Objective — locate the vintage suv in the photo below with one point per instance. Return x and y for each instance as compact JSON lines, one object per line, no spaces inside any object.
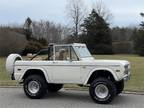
{"x":50,"y":68}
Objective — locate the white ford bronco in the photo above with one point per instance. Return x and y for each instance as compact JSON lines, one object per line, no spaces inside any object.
{"x":50,"y":68}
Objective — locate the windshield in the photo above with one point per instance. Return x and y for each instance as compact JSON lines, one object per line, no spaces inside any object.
{"x":83,"y":51}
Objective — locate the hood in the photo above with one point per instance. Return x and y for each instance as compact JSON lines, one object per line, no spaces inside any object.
{"x":106,"y":62}
{"x":123,"y":62}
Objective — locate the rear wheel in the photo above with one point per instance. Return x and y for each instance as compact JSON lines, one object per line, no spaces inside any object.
{"x":54,"y":87}
{"x":35,"y":86}
{"x":102,"y":90}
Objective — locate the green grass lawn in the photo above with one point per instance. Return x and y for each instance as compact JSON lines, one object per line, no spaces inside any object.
{"x":5,"y":79}
{"x":135,"y":84}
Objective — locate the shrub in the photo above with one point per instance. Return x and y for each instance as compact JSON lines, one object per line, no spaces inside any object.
{"x":11,"y":42}
{"x":100,"y":49}
{"x":32,"y":47}
{"x":141,"y":50}
{"x":125,"y":47}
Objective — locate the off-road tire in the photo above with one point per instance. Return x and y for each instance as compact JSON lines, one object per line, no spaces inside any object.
{"x":110,"y":87}
{"x":40,"y":81}
{"x":119,"y":87}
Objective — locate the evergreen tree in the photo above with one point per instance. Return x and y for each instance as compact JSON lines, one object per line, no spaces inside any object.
{"x":142,"y":22}
{"x":139,"y":39}
{"x":96,"y":34}
{"x":27,"y":28}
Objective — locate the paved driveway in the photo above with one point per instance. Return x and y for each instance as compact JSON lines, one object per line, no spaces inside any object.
{"x":15,"y":98}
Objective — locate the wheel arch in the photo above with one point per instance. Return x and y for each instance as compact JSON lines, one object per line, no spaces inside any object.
{"x":101,"y":73}
{"x":32,"y":71}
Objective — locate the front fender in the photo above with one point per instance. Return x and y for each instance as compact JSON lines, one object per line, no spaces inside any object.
{"x":101,"y":69}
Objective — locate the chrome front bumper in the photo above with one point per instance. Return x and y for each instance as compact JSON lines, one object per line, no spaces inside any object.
{"x":127,"y":77}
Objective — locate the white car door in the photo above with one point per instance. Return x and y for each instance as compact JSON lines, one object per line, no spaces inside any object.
{"x":66,"y":66}
{"x":66,"y":72}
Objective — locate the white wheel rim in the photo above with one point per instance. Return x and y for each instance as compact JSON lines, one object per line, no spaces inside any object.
{"x":33,"y":87}
{"x":101,"y":91}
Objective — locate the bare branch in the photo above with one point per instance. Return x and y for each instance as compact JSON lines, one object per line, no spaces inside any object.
{"x":101,"y":9}
{"x":76,"y":12}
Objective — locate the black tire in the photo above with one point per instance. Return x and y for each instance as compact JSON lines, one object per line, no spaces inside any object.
{"x":53,"y":88}
{"x":40,"y":82}
{"x":102,"y":85}
{"x":119,"y":87}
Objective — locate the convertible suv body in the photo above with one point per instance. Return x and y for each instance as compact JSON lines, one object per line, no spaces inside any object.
{"x":50,"y":68}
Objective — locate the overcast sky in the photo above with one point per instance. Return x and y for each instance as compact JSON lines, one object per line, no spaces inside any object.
{"x":125,"y":12}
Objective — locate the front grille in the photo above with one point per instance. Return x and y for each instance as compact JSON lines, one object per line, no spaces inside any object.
{"x":127,"y":69}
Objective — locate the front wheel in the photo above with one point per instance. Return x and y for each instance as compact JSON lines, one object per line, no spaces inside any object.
{"x":119,"y":87}
{"x":102,"y":90}
{"x":35,"y":86}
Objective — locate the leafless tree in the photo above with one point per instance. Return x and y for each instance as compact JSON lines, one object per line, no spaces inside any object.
{"x":102,"y":10}
{"x":76,"y":12}
{"x":50,"y":31}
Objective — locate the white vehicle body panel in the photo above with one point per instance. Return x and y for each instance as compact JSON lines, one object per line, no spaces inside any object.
{"x":76,"y":72}
{"x":70,"y":71}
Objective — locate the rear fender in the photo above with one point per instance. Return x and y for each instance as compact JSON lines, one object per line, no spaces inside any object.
{"x":34,"y":68}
